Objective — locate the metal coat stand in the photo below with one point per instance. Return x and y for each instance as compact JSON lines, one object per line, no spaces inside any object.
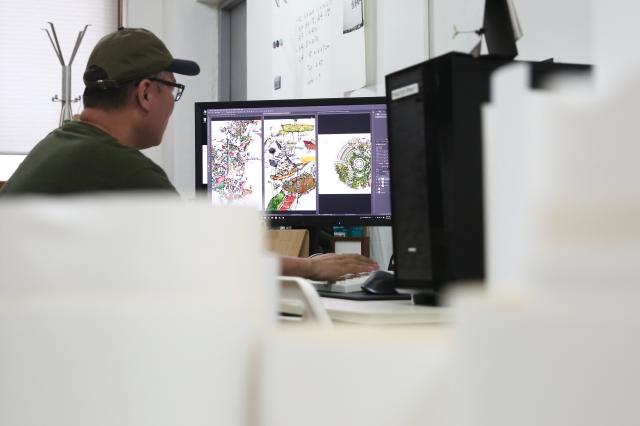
{"x":65,"y":98}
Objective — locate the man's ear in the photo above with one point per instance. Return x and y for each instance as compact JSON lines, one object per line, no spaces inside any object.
{"x":143,"y":94}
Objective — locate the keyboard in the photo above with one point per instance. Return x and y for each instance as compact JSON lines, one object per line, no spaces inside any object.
{"x":346,"y":285}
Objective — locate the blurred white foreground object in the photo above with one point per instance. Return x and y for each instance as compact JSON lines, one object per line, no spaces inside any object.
{"x":136,"y":311}
{"x":519,"y":144}
{"x":354,"y":376}
{"x":535,"y":364}
{"x":505,"y":171}
{"x":585,"y":192}
{"x":566,"y":354}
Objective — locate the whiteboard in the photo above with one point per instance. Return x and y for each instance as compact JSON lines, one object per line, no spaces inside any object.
{"x":317,"y":47}
{"x":396,"y":36}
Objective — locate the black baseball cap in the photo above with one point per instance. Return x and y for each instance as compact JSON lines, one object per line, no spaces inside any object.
{"x":130,"y":54}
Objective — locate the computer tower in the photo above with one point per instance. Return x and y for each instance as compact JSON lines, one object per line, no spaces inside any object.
{"x":435,"y":155}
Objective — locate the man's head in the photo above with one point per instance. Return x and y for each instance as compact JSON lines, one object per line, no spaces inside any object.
{"x":132,"y":68}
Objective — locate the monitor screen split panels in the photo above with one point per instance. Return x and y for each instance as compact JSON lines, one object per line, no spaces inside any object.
{"x":301,"y":162}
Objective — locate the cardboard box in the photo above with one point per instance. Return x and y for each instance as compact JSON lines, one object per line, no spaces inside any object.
{"x":288,"y":242}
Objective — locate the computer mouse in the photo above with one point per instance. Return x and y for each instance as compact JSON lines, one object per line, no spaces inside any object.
{"x":380,"y":282}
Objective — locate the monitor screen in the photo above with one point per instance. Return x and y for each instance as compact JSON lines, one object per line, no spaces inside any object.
{"x":303,"y":162}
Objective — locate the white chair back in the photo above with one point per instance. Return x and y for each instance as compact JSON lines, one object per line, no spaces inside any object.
{"x":296,"y":292}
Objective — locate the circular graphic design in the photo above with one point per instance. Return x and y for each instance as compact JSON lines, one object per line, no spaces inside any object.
{"x":353,"y":165}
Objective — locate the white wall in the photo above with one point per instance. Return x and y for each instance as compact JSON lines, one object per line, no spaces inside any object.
{"x":190,"y":31}
{"x":615,"y":50}
{"x":258,"y":49}
{"x":401,"y":33}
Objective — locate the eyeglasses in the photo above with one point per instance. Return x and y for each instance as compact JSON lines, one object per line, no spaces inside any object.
{"x":177,"y":87}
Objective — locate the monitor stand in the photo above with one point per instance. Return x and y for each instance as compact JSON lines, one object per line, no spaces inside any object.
{"x":319,"y":239}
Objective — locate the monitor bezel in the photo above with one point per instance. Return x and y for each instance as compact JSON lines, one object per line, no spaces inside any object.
{"x":286,"y":220}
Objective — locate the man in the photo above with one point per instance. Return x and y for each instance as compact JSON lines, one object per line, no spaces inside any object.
{"x":130,"y":92}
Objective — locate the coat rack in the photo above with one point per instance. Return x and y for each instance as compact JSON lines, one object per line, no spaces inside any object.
{"x":65,"y":98}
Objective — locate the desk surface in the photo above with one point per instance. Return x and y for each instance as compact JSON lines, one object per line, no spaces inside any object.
{"x":383,"y":312}
{"x":373,"y":312}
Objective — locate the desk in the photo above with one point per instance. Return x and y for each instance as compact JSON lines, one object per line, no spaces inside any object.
{"x":299,"y":298}
{"x":373,"y":312}
{"x":383,"y":312}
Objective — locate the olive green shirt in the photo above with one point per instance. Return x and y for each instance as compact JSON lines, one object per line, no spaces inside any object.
{"x":79,"y":157}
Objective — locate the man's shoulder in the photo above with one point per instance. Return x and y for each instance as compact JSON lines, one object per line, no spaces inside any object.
{"x":93,"y":143}
{"x":81,"y":158}
{"x":77,"y":136}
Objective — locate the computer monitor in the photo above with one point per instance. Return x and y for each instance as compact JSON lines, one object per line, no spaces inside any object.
{"x":303,"y":162}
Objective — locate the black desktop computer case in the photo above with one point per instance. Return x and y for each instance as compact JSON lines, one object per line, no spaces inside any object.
{"x":435,"y":154}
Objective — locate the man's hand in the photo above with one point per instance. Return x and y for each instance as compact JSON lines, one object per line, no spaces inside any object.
{"x":327,"y":267}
